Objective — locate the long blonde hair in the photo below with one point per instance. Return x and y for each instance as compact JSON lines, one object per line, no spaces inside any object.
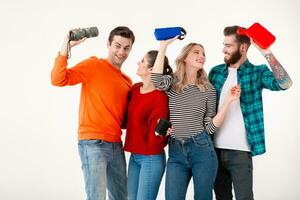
{"x":202,"y":81}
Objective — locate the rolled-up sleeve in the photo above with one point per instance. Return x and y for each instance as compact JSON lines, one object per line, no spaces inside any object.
{"x":162,"y":82}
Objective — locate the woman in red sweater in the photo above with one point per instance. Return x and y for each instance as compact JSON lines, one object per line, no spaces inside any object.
{"x":146,"y":106}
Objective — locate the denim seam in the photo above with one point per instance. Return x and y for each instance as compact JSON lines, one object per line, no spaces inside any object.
{"x":150,"y":178}
{"x":86,"y":159}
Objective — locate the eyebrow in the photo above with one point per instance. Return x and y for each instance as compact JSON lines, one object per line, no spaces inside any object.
{"x":117,"y":43}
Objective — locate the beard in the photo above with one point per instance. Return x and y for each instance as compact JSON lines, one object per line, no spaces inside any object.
{"x":234,"y":58}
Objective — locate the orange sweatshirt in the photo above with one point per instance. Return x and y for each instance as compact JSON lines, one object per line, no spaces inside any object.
{"x":104,"y":95}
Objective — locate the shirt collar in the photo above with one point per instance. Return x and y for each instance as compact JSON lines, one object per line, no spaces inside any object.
{"x":242,"y":67}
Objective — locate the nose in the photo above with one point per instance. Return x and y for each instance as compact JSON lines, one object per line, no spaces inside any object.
{"x":122,"y":51}
{"x":223,"y":50}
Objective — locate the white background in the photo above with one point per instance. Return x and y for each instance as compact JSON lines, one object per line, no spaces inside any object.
{"x":38,"y":122}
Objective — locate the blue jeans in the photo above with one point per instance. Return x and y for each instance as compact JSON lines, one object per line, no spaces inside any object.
{"x":144,"y":176}
{"x":235,"y":168}
{"x":103,"y":166}
{"x":192,"y":157}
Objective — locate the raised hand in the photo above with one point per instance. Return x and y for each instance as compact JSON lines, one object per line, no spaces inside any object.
{"x":262,"y":51}
{"x":165,"y":43}
{"x":65,"y":48}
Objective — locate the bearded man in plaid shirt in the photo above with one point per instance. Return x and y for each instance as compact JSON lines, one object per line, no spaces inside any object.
{"x":242,"y":134}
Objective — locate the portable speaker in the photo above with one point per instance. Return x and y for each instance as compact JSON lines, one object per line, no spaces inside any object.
{"x":259,"y":34}
{"x":169,"y":32}
{"x":162,"y":126}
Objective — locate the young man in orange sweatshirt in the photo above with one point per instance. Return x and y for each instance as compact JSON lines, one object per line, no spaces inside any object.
{"x":103,"y":103}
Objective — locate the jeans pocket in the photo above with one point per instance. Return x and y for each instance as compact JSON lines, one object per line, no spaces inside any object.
{"x":95,"y":142}
{"x":202,"y":141}
{"x":90,"y":142}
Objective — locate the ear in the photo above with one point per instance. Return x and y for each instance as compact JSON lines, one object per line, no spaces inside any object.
{"x":243,"y":48}
{"x":108,"y":44}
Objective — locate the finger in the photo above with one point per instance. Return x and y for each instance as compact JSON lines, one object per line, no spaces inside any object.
{"x":83,"y":39}
{"x":238,"y":89}
{"x":176,"y":37}
{"x":251,"y":41}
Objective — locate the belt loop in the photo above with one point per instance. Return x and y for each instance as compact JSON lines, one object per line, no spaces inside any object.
{"x":193,"y":138}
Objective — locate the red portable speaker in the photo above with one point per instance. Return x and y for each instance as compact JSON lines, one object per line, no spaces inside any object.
{"x":259,"y":34}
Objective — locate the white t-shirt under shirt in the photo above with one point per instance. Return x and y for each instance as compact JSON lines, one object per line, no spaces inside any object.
{"x":232,"y":133}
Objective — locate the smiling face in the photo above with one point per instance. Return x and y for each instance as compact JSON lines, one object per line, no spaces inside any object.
{"x":196,"y":57}
{"x":231,"y":50}
{"x":143,"y":67}
{"x":118,"y":50}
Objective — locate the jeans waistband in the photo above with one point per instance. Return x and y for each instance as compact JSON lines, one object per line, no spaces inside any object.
{"x":188,"y":139}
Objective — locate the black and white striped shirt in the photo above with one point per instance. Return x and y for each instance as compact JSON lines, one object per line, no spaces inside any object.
{"x":191,"y":111}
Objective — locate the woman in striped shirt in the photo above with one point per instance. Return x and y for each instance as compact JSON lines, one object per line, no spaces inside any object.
{"x":192,"y":108}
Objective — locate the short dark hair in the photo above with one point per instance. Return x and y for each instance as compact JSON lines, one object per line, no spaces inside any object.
{"x":151,"y":60}
{"x":122,"y":31}
{"x":232,"y":30}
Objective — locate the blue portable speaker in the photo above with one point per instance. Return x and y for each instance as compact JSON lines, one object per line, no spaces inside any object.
{"x":169,"y":32}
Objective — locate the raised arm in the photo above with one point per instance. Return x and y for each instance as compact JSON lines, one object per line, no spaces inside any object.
{"x":160,"y":81}
{"x":158,"y":66}
{"x":279,"y":72}
{"x":60,"y":75}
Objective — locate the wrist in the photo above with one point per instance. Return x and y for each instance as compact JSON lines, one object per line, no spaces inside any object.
{"x":64,"y":50}
{"x":163,"y":46}
{"x":266,"y":52}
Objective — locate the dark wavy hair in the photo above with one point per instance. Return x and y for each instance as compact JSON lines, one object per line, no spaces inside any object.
{"x":122,"y":31}
{"x":232,"y":30}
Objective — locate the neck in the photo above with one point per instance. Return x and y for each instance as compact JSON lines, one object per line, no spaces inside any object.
{"x":147,"y":86}
{"x":118,"y":66}
{"x":191,"y":75}
{"x":239,"y":62}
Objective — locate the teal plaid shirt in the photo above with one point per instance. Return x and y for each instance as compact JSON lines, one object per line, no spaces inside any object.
{"x":252,"y":79}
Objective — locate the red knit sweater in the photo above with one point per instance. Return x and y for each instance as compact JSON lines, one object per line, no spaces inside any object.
{"x":144,"y":110}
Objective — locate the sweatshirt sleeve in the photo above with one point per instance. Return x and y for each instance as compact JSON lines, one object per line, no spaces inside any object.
{"x":80,"y":73}
{"x":160,"y":111}
{"x":210,"y":112}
